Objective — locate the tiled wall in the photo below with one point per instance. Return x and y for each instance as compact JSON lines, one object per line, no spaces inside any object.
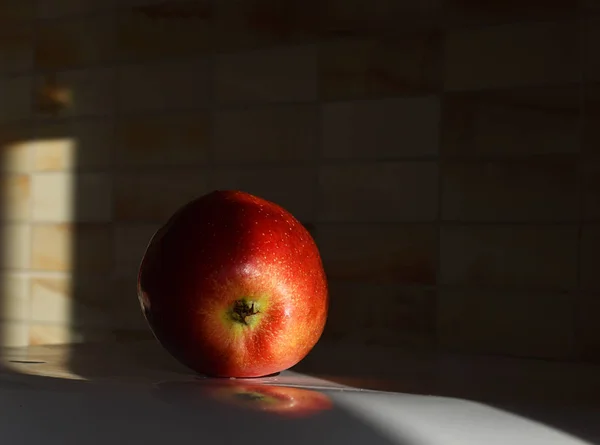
{"x":445,"y":151}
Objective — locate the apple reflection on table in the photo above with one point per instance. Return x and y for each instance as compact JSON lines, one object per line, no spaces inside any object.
{"x":284,"y":401}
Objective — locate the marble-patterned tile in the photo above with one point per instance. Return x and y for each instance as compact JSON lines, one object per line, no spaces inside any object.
{"x":125,"y":311}
{"x":16,"y":148}
{"x":361,"y":193}
{"x":15,"y":96}
{"x":591,"y":189}
{"x":272,"y":75}
{"x":357,"y":68}
{"x":154,"y":197}
{"x":278,"y":133}
{"x":378,"y":17}
{"x":16,"y":197}
{"x":587,"y":318}
{"x":58,"y":8}
{"x":79,"y":42}
{"x":405,"y":316}
{"x":386,"y":128}
{"x":57,"y":334}
{"x":149,"y":32}
{"x":15,"y":240}
{"x":68,"y":197}
{"x":505,"y":256}
{"x":590,"y":258}
{"x":85,"y":144}
{"x":175,"y":139}
{"x":474,"y":13}
{"x":82,"y":248}
{"x":590,"y":5}
{"x":14,"y":334}
{"x":14,"y":290}
{"x":591,"y":56}
{"x":403,"y":254}
{"x":88,"y":92}
{"x":131,"y":241}
{"x":520,"y":191}
{"x":60,"y":300}
{"x":16,"y":10}
{"x":521,"y":54}
{"x":511,"y":122}
{"x":591,"y":118}
{"x":248,"y":24}
{"x":507,"y":323}
{"x":175,"y":85}
{"x":16,"y":47}
{"x":290,"y":187}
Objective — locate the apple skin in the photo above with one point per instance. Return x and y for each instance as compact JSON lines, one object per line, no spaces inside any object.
{"x":233,"y":286}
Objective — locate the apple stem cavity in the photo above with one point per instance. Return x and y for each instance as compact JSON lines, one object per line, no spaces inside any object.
{"x":243,"y":309}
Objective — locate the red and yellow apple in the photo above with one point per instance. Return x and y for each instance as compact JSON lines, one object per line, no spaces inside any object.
{"x":233,"y":286}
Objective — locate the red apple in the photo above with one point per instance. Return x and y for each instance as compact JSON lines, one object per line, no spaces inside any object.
{"x":233,"y":286}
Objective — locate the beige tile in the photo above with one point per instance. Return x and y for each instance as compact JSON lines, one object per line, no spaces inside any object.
{"x":273,"y":75}
{"x":388,"y":128}
{"x":591,"y":119}
{"x":588,"y":327}
{"x":361,"y":193}
{"x":15,"y":297}
{"x":65,"y":197}
{"x":590,"y":5}
{"x":16,"y":47}
{"x":57,"y":8}
{"x":151,"y":32}
{"x":56,"y":300}
{"x":527,"y":257}
{"x":287,"y":133}
{"x":76,"y":93}
{"x":537,"y":190}
{"x":177,"y":139}
{"x":83,"y":248}
{"x":15,"y":143}
{"x":154,"y":197}
{"x":15,"y":95}
{"x":512,"y":55}
{"x":131,"y":241}
{"x":16,"y":197}
{"x":73,"y":145}
{"x":404,"y":317}
{"x":403,"y":254}
{"x":375,"y":67}
{"x":590,"y":257}
{"x":512,"y":122}
{"x":174,"y":85}
{"x":591,"y":190}
{"x":15,"y":10}
{"x":75,"y":42}
{"x":507,"y":323}
{"x":591,"y":58}
{"x":14,"y":334}
{"x":472,"y":12}
{"x":49,"y":334}
{"x":15,"y":242}
{"x":126,"y":311}
{"x":379,"y":17}
{"x":247,"y":24}
{"x":290,"y":187}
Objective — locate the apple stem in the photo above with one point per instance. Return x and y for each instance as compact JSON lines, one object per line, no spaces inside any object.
{"x":242,"y":310}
